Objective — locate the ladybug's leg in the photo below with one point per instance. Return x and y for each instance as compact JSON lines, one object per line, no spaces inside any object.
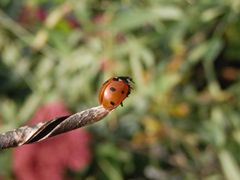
{"x":121,"y":104}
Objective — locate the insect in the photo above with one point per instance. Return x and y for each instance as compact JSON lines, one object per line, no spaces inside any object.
{"x":114,"y":91}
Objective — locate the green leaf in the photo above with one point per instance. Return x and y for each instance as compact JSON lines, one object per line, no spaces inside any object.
{"x":229,"y":165}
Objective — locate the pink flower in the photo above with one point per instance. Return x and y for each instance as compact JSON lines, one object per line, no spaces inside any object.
{"x":31,"y":15}
{"x":50,"y":158}
{"x":72,"y":21}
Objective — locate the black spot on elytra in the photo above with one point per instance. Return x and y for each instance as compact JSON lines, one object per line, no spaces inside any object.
{"x":122,"y":92}
{"x":112,"y":103}
{"x":112,"y":89}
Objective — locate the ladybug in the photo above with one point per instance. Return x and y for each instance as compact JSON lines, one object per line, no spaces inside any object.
{"x":114,"y":91}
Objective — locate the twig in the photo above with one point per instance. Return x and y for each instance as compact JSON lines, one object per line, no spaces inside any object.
{"x":41,"y":131}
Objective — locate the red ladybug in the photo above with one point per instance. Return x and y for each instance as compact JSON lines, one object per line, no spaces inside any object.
{"x":114,"y":91}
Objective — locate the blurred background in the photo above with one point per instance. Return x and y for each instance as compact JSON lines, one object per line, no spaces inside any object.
{"x":181,"y":120}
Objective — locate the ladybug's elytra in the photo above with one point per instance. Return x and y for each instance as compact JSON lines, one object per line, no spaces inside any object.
{"x":114,"y":91}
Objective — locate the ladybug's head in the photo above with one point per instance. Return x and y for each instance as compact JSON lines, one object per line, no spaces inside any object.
{"x":126,"y":79}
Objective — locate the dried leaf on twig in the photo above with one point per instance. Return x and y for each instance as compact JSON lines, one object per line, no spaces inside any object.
{"x":41,"y":131}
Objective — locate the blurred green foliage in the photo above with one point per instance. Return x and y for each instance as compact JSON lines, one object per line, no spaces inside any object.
{"x":182,"y":119}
